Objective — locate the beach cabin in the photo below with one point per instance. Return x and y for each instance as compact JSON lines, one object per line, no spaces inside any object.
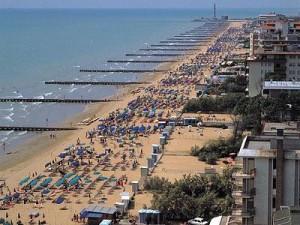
{"x":125,"y":199}
{"x":155,"y":148}
{"x":149,"y":216}
{"x":150,"y":163}
{"x":144,"y":171}
{"x":135,"y":186}
{"x":95,"y":214}
{"x":162,"y":140}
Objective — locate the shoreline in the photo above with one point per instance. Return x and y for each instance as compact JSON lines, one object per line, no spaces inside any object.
{"x":36,"y":155}
{"x":27,"y":150}
{"x":39,"y":141}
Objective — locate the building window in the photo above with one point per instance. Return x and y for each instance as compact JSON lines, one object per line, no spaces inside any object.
{"x":274,"y":164}
{"x":274,"y":183}
{"x":274,"y":203}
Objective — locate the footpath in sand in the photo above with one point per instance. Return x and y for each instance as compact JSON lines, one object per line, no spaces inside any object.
{"x":98,"y":176}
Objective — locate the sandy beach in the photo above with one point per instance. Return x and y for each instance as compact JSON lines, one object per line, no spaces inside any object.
{"x":32,"y":157}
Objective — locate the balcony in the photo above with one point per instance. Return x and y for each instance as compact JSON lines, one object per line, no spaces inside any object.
{"x":242,"y":175}
{"x":244,"y":213}
{"x":244,"y":194}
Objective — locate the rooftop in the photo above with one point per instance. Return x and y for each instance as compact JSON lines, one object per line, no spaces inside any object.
{"x":290,"y":128}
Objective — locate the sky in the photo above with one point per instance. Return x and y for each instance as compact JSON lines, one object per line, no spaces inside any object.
{"x":149,"y":3}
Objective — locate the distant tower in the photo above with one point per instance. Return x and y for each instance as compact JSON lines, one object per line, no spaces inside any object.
{"x":215,"y":10}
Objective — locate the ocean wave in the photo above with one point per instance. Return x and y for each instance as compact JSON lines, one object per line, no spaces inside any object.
{"x":39,"y":97}
{"x":22,"y":133}
{"x":72,"y":90}
{"x":19,"y":95}
{"x":8,"y":118}
{"x":9,"y":109}
{"x":48,"y":94}
{"x":7,"y":133}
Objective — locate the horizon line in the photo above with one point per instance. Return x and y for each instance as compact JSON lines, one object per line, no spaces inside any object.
{"x":176,"y":8}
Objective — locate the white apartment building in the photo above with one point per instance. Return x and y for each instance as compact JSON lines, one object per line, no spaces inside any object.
{"x":270,"y":175}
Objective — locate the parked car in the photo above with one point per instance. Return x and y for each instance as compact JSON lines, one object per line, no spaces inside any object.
{"x":197,"y":221}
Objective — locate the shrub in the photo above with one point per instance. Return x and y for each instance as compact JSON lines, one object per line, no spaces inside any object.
{"x":214,"y":150}
{"x":156,"y":183}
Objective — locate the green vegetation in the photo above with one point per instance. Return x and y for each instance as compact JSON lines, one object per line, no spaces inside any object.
{"x":249,"y":112}
{"x":194,"y":196}
{"x":214,"y":150}
{"x":234,"y":84}
{"x":157,"y":184}
{"x":213,"y":104}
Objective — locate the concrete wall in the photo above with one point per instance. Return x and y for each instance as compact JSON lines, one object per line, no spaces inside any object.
{"x":263,"y":197}
{"x":257,"y":72}
{"x":289,"y":183}
{"x":293,"y":67}
{"x":255,"y":78}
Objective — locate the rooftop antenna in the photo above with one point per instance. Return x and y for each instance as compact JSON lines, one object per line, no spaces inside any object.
{"x":215,"y":10}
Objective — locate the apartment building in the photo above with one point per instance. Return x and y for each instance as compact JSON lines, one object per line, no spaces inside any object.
{"x":270,"y":174}
{"x":274,"y":51}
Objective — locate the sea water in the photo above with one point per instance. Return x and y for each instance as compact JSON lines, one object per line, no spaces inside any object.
{"x":38,"y":45}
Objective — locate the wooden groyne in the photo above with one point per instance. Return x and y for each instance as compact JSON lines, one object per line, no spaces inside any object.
{"x":119,"y":83}
{"x":182,"y":41}
{"x":54,"y":100}
{"x":176,"y":45}
{"x":141,"y":61}
{"x":192,"y":36}
{"x":36,"y":129}
{"x":160,"y":55}
{"x":120,"y":71}
{"x":196,"y":33}
{"x":169,"y":49}
{"x":187,"y":39}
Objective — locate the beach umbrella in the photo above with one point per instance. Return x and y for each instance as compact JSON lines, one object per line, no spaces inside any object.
{"x":59,"y":200}
{"x":45,"y":191}
{"x":62,"y":155}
